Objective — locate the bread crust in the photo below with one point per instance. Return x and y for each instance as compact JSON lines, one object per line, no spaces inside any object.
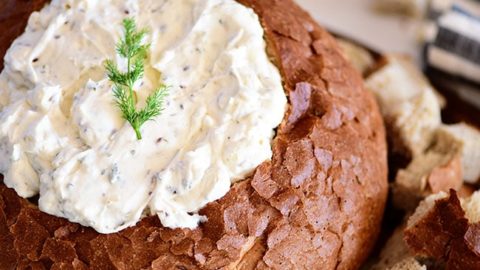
{"x":317,"y":205}
{"x":443,"y":233}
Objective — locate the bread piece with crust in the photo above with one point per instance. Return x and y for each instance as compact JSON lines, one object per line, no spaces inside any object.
{"x":446,"y":230}
{"x":413,"y":8}
{"x":468,"y":138}
{"x":438,"y":169}
{"x":317,"y":205}
{"x":409,"y":104}
{"x":408,"y":264}
{"x":361,"y":59}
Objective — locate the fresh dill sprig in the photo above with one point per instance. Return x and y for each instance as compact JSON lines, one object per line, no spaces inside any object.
{"x":132,"y":49}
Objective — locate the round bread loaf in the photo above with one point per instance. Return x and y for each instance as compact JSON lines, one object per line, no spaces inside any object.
{"x":317,"y":204}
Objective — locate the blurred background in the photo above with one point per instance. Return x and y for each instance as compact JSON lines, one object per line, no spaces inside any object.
{"x":442,"y":37}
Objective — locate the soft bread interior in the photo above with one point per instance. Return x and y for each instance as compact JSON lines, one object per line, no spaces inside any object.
{"x":409,"y":104}
{"x":471,"y":206}
{"x":409,"y":263}
{"x":395,"y":255}
{"x":468,"y":138}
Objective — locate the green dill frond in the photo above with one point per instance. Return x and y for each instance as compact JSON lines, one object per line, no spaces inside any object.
{"x":154,"y":105}
{"x":130,"y":45}
{"x":136,"y":72}
{"x":115,"y":75}
{"x":132,"y":49}
{"x":122,"y":100}
{"x":124,"y":46}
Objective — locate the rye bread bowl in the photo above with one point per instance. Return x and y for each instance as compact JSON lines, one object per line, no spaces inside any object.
{"x":317,"y":204}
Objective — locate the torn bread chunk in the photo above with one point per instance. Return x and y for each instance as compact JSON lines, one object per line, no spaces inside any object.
{"x":424,"y":207}
{"x":410,"y":105}
{"x":414,"y":123}
{"x":395,"y":255}
{"x":361,"y":59}
{"x":411,"y":8}
{"x":466,"y":190}
{"x":407,"y":264}
{"x":469,"y":139}
{"x":471,"y":206}
{"x":445,"y":229}
{"x":397,"y":79}
{"x":438,"y":169}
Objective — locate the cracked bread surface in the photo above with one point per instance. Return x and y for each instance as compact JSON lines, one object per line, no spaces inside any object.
{"x":317,"y":204}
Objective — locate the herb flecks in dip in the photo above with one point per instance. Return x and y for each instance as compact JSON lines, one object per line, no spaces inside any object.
{"x":61,"y":134}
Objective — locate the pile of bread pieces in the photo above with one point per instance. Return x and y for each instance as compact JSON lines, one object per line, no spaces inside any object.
{"x":435,"y":187}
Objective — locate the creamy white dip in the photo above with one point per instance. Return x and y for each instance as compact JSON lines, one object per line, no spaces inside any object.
{"x":62,"y":136}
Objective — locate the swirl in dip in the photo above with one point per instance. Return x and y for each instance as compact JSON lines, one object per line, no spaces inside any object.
{"x":62,"y":136}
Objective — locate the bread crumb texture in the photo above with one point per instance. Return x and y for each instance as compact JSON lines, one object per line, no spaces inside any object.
{"x":317,"y":205}
{"x":396,"y":256}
